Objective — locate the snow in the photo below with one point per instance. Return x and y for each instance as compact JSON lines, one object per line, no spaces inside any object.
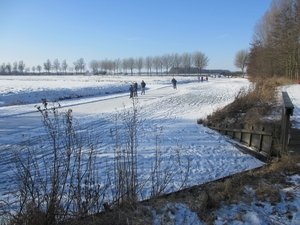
{"x":167,"y":113}
{"x":293,"y":92}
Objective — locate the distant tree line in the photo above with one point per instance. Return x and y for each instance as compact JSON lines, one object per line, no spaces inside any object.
{"x":275,"y":46}
{"x":195,"y":61}
{"x":152,"y":64}
{"x":49,"y":67}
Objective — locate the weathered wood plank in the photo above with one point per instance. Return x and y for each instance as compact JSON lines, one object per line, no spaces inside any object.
{"x":287,"y":104}
{"x":258,"y":139}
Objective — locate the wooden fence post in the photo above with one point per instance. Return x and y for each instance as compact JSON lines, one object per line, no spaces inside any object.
{"x":261,"y":137}
{"x":250,"y":137}
{"x":287,"y":111}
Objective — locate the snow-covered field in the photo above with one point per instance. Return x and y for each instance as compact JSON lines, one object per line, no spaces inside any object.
{"x":95,"y":100}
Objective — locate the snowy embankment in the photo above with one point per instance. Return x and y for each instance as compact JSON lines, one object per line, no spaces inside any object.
{"x":204,"y":154}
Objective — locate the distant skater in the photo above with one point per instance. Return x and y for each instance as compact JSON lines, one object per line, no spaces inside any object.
{"x":131,"y":91}
{"x":143,"y":85}
{"x":174,"y":82}
{"x":135,"y":87}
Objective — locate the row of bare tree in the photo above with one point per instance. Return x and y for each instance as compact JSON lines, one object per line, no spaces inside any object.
{"x":8,"y":68}
{"x":158,"y":64}
{"x":48,"y":66}
{"x":275,"y":49}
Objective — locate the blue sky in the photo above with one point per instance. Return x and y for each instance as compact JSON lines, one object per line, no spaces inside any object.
{"x":37,"y":30}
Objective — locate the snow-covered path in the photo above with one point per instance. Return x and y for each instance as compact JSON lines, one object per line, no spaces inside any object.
{"x":293,"y":92}
{"x":190,"y":100}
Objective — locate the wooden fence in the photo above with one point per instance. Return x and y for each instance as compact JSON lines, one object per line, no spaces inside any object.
{"x":287,"y":111}
{"x":261,"y":138}
{"x":257,"y":137}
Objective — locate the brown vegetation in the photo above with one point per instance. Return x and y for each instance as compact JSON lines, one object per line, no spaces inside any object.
{"x":265,"y":182}
{"x":275,"y":49}
{"x":261,"y":184}
{"x":251,"y":104}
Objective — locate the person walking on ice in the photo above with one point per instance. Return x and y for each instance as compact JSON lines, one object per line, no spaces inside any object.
{"x":143,"y":85}
{"x":131,"y":91}
{"x":135,"y":87}
{"x":174,"y":82}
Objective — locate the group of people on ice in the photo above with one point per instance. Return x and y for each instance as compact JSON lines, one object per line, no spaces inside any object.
{"x":202,"y":78}
{"x":133,"y":89}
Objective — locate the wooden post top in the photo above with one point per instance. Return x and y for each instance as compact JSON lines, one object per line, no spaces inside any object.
{"x":287,"y":103}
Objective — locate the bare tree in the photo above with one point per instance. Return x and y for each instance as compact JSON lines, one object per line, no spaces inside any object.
{"x":39,"y":68}
{"x":187,"y":62}
{"x":200,"y":61}
{"x":56,"y":65}
{"x":8,"y":68}
{"x":113,"y":66}
{"x":161,"y":64}
{"x":94,"y":65}
{"x":48,"y":66}
{"x":71,"y":69}
{"x":166,"y":62}
{"x":125,"y":65}
{"x":176,"y":62}
{"x":33,"y":69}
{"x":110,"y":66}
{"x":156,"y":63}
{"x":27,"y":69}
{"x":80,"y":65}
{"x":262,"y":29}
{"x":117,"y":64}
{"x":76,"y":67}
{"x":241,"y":59}
{"x":149,"y":64}
{"x":139,"y":64}
{"x":2,"y":68}
{"x":107,"y":65}
{"x":131,"y":65}
{"x":64,"y":66}
{"x":103,"y":65}
{"x":21,"y":66}
{"x":15,"y":67}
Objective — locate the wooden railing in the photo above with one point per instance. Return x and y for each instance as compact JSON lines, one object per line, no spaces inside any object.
{"x":255,"y":137}
{"x":287,"y":111}
{"x":258,"y":137}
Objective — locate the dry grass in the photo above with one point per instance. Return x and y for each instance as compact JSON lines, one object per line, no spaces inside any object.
{"x":264,"y":182}
{"x":136,"y":214}
{"x":250,"y":104}
{"x":32,"y":216}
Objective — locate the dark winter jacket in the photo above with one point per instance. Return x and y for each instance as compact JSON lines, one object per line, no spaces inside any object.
{"x":143,"y":84}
